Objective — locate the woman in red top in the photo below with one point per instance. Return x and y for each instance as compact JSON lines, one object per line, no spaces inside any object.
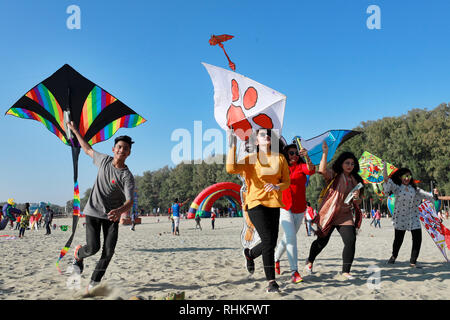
{"x":291,"y":215}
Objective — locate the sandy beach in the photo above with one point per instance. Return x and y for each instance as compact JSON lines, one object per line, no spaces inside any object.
{"x":151,"y":263}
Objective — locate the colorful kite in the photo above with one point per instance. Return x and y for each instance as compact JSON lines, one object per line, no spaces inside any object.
{"x":371,"y":168}
{"x":243,"y":104}
{"x":218,"y":40}
{"x":333,"y":138}
{"x":391,"y":204}
{"x":67,"y":95}
{"x":437,"y":231}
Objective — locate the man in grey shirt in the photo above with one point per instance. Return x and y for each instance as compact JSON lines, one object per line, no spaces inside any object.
{"x":111,"y":196}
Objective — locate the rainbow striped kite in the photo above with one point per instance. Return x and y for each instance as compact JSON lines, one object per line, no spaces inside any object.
{"x":68,"y":96}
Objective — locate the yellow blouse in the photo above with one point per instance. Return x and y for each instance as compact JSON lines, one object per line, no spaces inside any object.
{"x":259,"y":171}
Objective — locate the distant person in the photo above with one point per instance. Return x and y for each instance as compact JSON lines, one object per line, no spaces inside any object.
{"x":24,"y":221}
{"x":309,"y":217}
{"x":48,"y":218}
{"x":373,"y":217}
{"x":175,"y":209}
{"x":213,"y":219}
{"x":377,"y":219}
{"x":134,"y":216}
{"x":197,"y":221}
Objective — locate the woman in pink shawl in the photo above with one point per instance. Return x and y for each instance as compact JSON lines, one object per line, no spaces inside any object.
{"x":334,"y":213}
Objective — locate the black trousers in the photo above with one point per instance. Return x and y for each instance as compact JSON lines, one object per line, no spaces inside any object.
{"x":47,"y":227}
{"x":348,"y":235}
{"x":110,"y":235}
{"x":266,"y":221}
{"x":416,"y":243}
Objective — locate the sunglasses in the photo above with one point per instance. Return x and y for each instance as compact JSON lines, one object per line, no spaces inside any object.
{"x":291,"y":153}
{"x":264,"y":134}
{"x":406,"y":176}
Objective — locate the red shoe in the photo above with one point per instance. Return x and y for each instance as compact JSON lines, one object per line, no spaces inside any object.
{"x":277,"y":267}
{"x":75,"y":253}
{"x":296,"y":278}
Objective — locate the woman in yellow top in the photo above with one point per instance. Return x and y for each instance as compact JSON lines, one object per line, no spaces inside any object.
{"x":266,"y":175}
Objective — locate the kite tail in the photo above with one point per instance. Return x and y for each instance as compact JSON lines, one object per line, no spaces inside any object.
{"x":76,"y":199}
{"x":230,"y":63}
{"x":76,"y":214}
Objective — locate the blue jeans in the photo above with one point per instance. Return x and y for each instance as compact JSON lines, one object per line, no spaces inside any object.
{"x":291,"y":224}
{"x":309,"y":227}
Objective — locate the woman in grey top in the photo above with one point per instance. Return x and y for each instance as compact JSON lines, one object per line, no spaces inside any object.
{"x":406,"y":212}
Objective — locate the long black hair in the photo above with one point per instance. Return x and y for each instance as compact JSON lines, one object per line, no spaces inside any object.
{"x":397,"y":177}
{"x":337,"y":165}
{"x":286,"y":153}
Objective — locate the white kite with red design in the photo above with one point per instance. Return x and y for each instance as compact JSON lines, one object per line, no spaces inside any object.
{"x":244,"y":104}
{"x":438,"y":232}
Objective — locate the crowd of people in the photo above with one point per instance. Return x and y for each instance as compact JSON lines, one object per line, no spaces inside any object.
{"x":24,"y":219}
{"x":275,"y":198}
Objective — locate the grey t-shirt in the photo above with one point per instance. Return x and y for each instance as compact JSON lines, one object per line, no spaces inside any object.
{"x":111,"y":189}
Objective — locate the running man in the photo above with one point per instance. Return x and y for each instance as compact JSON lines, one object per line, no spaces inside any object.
{"x":111,"y":195}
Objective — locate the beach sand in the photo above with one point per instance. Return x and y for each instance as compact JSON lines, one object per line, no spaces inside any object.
{"x":151,"y":263}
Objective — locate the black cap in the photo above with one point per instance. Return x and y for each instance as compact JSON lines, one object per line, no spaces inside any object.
{"x":127,"y":139}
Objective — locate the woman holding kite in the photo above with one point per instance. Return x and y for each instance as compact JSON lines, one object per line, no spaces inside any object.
{"x":406,"y":212}
{"x":266,"y":176}
{"x":294,"y":199}
{"x":334,"y":211}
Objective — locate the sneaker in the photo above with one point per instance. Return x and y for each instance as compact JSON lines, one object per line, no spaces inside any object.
{"x":348,"y":276}
{"x":75,"y":253}
{"x":77,"y":266}
{"x":277,"y":267}
{"x":273,"y":287}
{"x":296,"y":278}
{"x":250,"y":264}
{"x":77,"y":263}
{"x":92,"y":284}
{"x":391,"y":260}
{"x":308,"y":269}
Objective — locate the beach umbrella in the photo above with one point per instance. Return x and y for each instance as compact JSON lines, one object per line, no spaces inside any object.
{"x":68,"y":96}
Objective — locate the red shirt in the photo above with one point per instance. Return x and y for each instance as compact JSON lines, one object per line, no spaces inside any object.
{"x":294,"y":197}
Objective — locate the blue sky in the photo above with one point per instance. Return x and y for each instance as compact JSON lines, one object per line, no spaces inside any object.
{"x":334,"y":71}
